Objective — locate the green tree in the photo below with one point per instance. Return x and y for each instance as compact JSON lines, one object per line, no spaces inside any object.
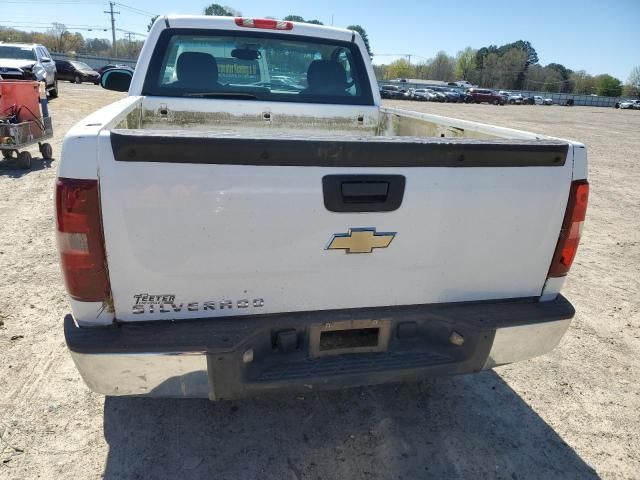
{"x":632,"y":87}
{"x":401,"y":68}
{"x":582,"y":82}
{"x":221,"y":11}
{"x":294,"y":18}
{"x":153,"y":19}
{"x":608,"y":86}
{"x":423,"y":70}
{"x":442,"y":67}
{"x":482,"y":54}
{"x":298,"y":18}
{"x":532,"y":55}
{"x":96,"y":46}
{"x":363,"y":34}
{"x":565,"y":76}
{"x":465,"y":64}
{"x":511,"y":67}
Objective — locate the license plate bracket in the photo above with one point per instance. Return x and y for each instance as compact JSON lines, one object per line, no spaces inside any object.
{"x":349,"y":336}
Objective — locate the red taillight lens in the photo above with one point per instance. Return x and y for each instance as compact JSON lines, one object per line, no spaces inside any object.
{"x":265,"y":23}
{"x":80,"y":239}
{"x":571,"y":229}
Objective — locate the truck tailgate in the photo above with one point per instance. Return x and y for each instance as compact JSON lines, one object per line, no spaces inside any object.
{"x":207,"y":226}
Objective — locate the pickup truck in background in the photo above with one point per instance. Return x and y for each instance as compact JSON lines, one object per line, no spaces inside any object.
{"x":250,"y":218}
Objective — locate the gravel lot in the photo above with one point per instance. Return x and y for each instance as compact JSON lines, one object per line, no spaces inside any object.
{"x":574,"y":413}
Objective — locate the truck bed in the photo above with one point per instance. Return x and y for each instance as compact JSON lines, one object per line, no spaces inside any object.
{"x":237,"y":209}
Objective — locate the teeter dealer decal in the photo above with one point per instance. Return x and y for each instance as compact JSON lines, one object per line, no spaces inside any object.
{"x":146,"y":303}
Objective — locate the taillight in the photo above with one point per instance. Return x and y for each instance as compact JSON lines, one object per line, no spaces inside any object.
{"x":571,"y":229}
{"x":80,"y":239}
{"x":265,"y":23}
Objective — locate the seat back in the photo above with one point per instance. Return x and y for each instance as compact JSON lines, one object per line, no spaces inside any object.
{"x":197,"y":70}
{"x":326,"y":77}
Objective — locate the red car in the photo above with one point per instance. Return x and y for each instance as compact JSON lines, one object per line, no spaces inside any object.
{"x":483,"y":95}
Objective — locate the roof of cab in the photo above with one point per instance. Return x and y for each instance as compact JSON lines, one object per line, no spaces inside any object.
{"x":228,"y":23}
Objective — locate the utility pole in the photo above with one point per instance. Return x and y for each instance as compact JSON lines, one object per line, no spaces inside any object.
{"x":129,"y":35}
{"x":409,"y":58}
{"x":113,"y":27}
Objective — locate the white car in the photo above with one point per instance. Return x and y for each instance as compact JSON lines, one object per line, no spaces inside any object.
{"x":515,"y":99}
{"x":424,"y":94}
{"x":542,"y":101}
{"x":220,"y":237}
{"x":27,"y":61}
{"x":630,"y":104}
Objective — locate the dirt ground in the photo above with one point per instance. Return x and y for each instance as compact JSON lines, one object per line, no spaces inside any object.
{"x":574,"y":413}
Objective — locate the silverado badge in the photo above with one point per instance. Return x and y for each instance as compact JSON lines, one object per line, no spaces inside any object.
{"x":360,"y":240}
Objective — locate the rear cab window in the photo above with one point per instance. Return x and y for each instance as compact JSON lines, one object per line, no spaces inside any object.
{"x":257,"y":65}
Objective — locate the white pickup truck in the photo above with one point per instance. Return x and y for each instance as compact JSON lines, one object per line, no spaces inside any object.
{"x":250,"y":218}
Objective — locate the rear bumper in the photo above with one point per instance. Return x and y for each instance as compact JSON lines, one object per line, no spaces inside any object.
{"x":241,"y":356}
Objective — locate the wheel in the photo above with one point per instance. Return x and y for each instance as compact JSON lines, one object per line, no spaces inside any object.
{"x":46,"y":151}
{"x":53,"y":93}
{"x":24,"y":160}
{"x":7,"y":153}
{"x":76,"y":79}
{"x":495,"y":102}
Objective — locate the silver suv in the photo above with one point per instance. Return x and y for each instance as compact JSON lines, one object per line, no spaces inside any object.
{"x":22,"y":61}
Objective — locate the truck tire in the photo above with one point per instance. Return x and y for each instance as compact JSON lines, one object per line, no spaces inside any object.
{"x":7,"y":154}
{"x":24,"y":160}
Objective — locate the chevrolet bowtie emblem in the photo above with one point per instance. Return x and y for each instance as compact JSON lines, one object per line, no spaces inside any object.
{"x":360,"y":240}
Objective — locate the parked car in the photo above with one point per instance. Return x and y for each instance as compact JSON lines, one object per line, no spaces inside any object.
{"x":210,"y":260}
{"x":438,"y":96}
{"x":542,"y":101}
{"x":515,"y":99}
{"x":462,"y":83}
{"x":449,"y":94}
{"x":76,"y":72}
{"x":459,"y":94}
{"x":104,"y":68}
{"x":484,"y":95}
{"x":22,"y":61}
{"x":528,"y":100}
{"x":390,"y":91}
{"x":630,"y":105}
{"x":424,"y":95}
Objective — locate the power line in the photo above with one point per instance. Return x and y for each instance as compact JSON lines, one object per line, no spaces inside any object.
{"x":51,"y":23}
{"x":127,"y":32}
{"x":136,"y":10}
{"x":52,"y":2}
{"x":50,"y":27}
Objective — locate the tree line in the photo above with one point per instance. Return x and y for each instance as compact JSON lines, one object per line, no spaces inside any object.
{"x":59,"y":39}
{"x":513,"y":66}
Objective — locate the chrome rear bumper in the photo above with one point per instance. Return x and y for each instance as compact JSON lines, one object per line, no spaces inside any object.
{"x":182,"y":360}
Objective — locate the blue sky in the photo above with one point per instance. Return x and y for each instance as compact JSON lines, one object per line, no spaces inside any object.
{"x":596,"y":36}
